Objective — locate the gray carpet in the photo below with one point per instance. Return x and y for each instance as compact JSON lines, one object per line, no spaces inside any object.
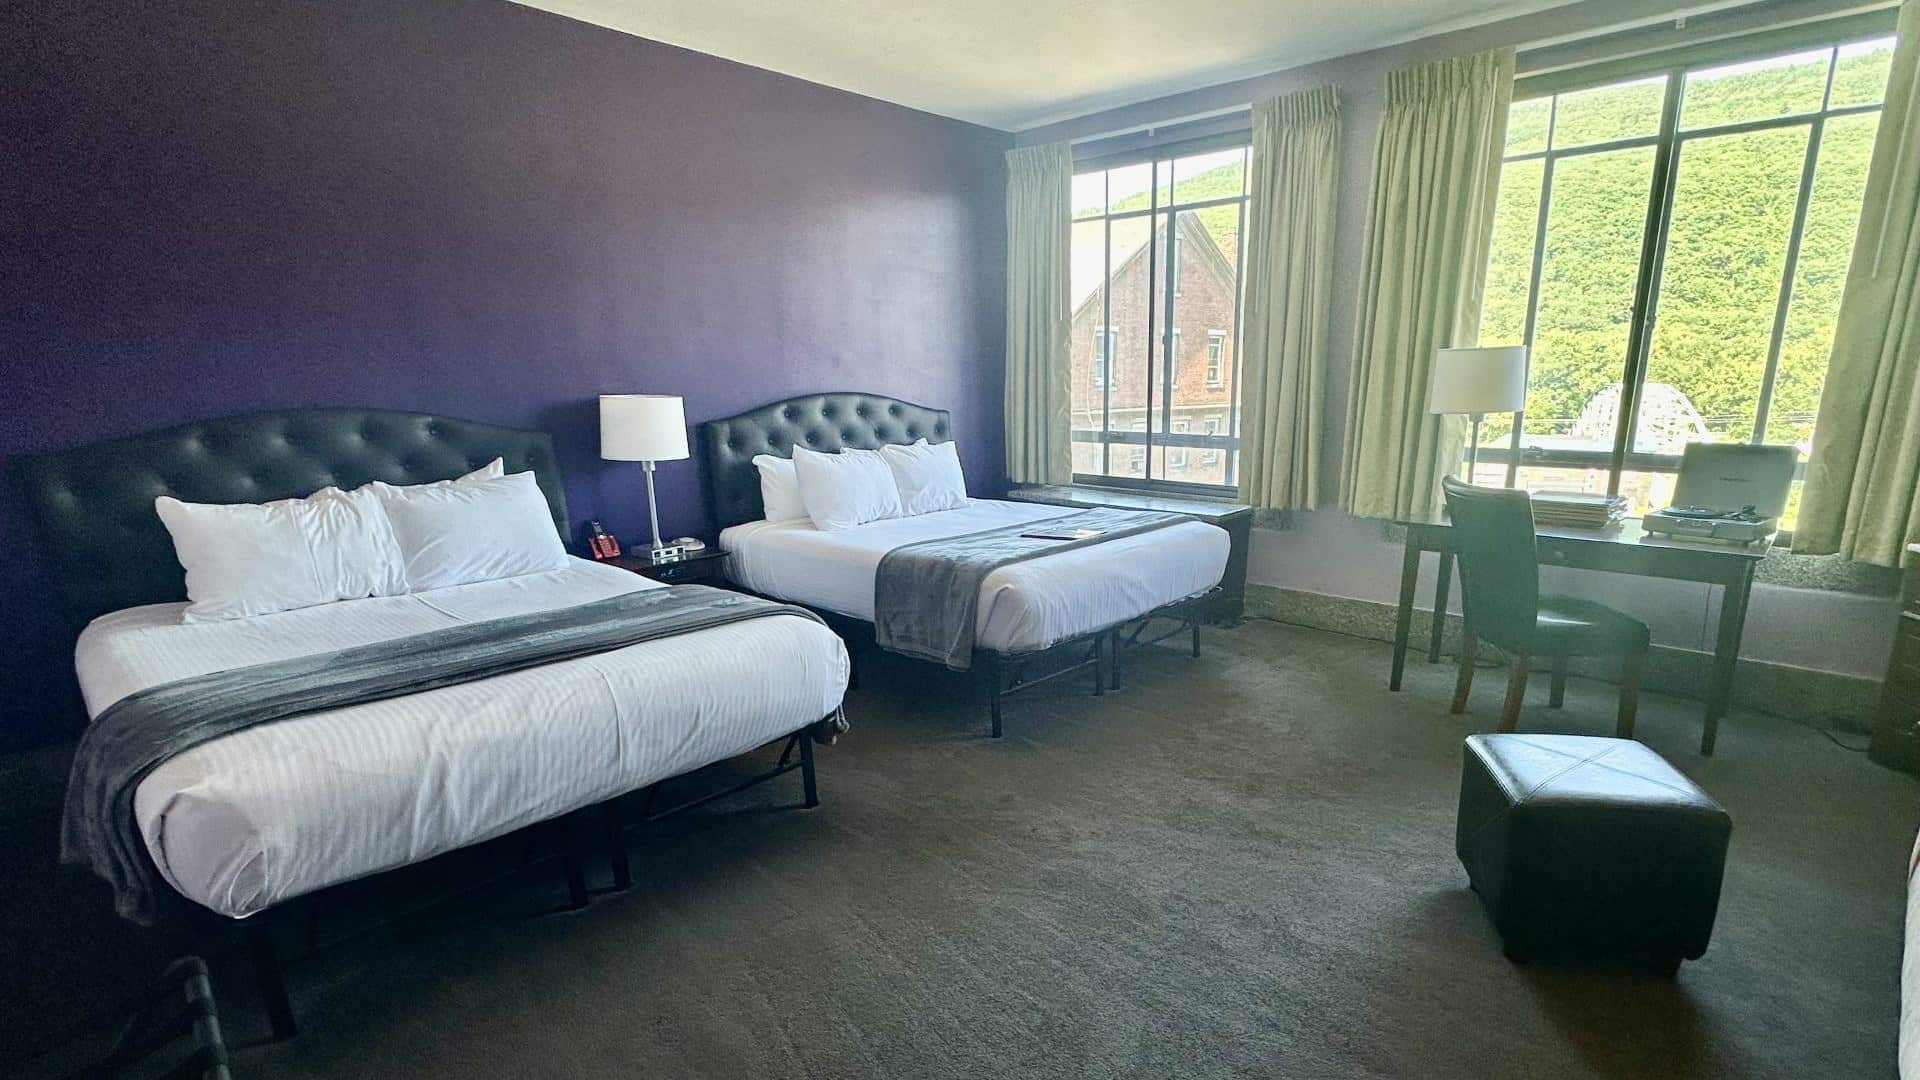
{"x":1238,"y":866}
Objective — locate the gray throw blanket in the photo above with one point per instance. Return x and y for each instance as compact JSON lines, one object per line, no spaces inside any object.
{"x":136,"y":734}
{"x":926,"y":595}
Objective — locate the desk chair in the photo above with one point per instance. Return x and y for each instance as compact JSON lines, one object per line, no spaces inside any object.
{"x":1500,"y":589}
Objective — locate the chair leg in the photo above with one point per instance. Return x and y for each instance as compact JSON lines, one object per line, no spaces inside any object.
{"x":1558,"y":696}
{"x":1631,"y":669}
{"x":1469,"y":652}
{"x":1517,"y":665}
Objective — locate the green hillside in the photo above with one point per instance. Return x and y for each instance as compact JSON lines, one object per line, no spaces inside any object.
{"x":1222,"y":222}
{"x":1734,"y":204}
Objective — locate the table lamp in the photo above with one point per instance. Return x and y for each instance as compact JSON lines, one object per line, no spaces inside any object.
{"x":645,"y":428}
{"x":1474,"y":382}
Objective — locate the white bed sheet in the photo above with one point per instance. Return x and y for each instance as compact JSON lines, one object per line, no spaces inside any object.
{"x":1026,"y":606}
{"x":267,"y":814}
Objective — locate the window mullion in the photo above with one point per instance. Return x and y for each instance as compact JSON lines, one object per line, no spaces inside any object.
{"x":1153,"y":270}
{"x":1231,"y":472}
{"x":1112,"y":339}
{"x":1785,"y":299}
{"x":1653,"y":250}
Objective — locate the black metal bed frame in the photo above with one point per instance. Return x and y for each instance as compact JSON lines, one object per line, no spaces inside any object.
{"x":177,"y":1005}
{"x":264,"y":955}
{"x":999,"y":674}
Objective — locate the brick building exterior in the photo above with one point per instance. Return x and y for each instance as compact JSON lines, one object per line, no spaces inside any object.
{"x":1204,"y":306}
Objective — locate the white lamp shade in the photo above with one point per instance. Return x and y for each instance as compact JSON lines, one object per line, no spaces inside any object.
{"x":1484,"y":380}
{"x":642,"y":427}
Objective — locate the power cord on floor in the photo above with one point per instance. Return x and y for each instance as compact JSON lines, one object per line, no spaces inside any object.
{"x":1831,"y":724}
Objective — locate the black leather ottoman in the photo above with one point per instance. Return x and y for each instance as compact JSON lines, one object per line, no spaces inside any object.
{"x":1590,"y":848}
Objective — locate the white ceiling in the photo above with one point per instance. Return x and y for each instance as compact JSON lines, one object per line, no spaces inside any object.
{"x":1016,"y":64}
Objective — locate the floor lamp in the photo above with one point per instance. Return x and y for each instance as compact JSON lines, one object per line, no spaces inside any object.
{"x":1475,"y":382}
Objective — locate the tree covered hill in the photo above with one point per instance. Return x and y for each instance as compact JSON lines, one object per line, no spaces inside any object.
{"x":1734,"y":203}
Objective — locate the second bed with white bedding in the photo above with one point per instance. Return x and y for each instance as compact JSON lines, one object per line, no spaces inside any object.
{"x":1023,"y":607}
{"x":273,"y":812}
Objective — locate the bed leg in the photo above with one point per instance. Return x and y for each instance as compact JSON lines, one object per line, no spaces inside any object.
{"x":269,"y":978}
{"x":573,"y":860}
{"x":617,"y":846}
{"x":1099,"y":665}
{"x":986,"y":665}
{"x":1196,"y":638}
{"x":806,"y":769}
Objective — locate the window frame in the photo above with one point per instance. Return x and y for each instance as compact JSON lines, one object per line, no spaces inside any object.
{"x":1216,"y":357}
{"x":1162,"y":285}
{"x":1669,"y":143}
{"x":1101,"y":368}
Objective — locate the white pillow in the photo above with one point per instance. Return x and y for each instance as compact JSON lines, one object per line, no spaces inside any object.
{"x":258,"y":558}
{"x":457,"y":532}
{"x":845,"y":489}
{"x":779,"y":488}
{"x":928,"y":477}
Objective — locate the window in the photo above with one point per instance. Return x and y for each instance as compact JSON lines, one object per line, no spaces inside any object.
{"x":1156,"y":252}
{"x":1672,"y":247}
{"x":1102,"y":349}
{"x":1177,"y":455}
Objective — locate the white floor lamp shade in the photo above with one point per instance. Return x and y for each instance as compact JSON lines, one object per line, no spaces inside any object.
{"x":1477,"y":381}
{"x":644,"y":428}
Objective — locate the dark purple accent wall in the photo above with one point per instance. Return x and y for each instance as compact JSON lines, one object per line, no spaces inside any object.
{"x":464,"y":207}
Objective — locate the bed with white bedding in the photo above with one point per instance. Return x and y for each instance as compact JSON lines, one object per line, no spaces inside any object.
{"x":272,"y":517}
{"x":845,"y":552}
{"x":259,"y":817}
{"x":1024,"y":607}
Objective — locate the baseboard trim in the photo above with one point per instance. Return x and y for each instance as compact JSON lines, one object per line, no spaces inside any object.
{"x":1780,"y":689}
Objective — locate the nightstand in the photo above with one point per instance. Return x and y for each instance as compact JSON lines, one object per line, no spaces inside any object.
{"x":699,"y":568}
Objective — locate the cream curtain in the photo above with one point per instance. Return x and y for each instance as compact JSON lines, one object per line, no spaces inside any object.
{"x":1862,"y":499}
{"x":1296,"y":151}
{"x":1435,"y":170}
{"x":1039,"y":315}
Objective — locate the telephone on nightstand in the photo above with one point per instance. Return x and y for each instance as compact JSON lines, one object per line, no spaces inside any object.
{"x":689,"y":545}
{"x":600,"y":543}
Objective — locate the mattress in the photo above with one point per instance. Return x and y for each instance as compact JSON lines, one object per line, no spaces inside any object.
{"x":267,"y":814}
{"x":1026,"y":606}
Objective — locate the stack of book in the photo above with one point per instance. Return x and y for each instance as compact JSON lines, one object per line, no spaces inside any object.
{"x":1577,"y":509}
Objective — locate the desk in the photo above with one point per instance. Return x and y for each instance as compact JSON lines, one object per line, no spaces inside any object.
{"x":1621,"y":548}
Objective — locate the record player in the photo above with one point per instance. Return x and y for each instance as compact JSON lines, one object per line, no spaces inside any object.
{"x":1729,"y":492}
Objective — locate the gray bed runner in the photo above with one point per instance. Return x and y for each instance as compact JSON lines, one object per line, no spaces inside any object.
{"x":136,"y":734}
{"x":926,"y":595}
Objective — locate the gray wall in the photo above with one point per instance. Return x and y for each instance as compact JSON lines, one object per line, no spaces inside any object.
{"x":1331,"y":552}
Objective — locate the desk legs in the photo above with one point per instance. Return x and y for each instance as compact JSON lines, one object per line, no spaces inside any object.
{"x":1403,"y":619}
{"x":1726,"y":653}
{"x":1440,"y":605}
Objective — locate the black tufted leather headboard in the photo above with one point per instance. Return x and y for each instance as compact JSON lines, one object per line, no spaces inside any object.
{"x":95,"y":502}
{"x":823,"y":422}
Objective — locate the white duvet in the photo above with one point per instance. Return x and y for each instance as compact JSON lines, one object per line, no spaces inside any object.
{"x":1025,"y":606}
{"x":267,"y":814}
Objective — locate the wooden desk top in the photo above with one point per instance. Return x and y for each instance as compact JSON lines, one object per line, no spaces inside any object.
{"x":1627,"y":531}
